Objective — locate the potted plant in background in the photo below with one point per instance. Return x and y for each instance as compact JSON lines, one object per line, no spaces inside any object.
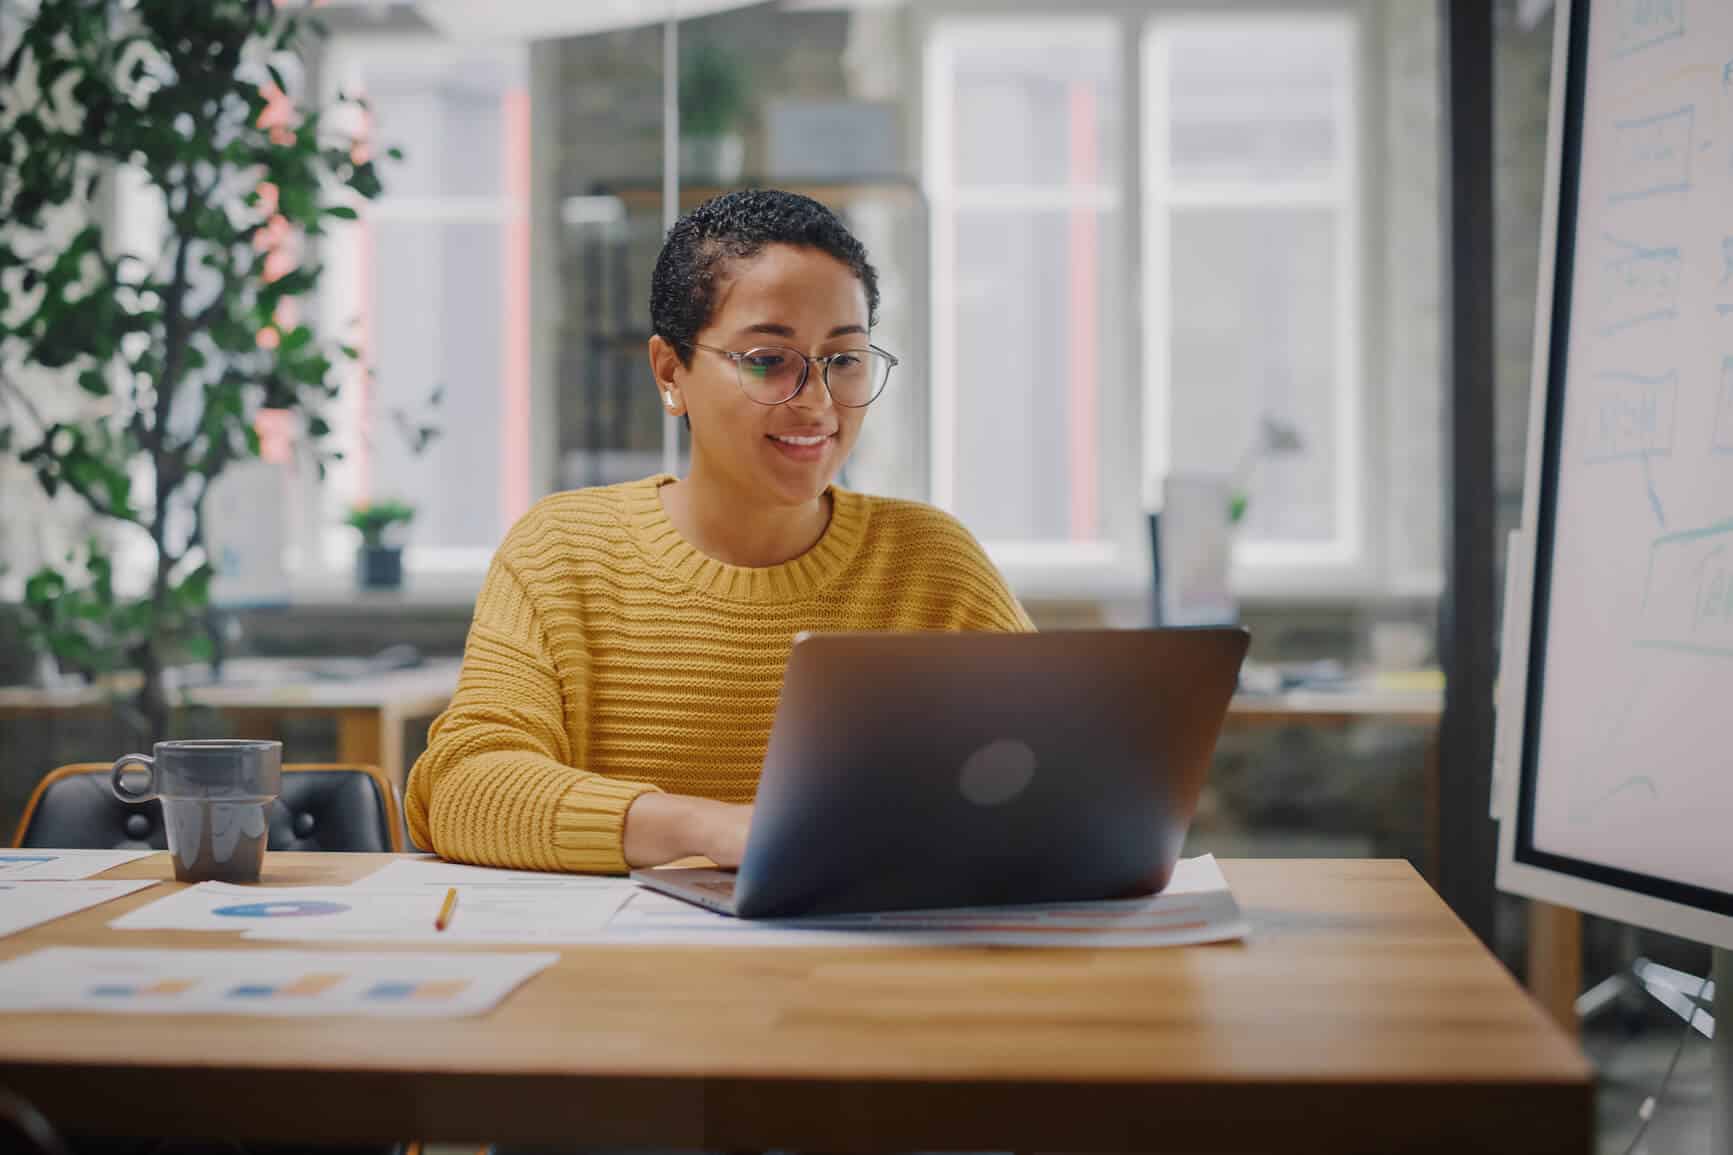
{"x":1192,"y":526}
{"x":130,"y":380}
{"x":712,"y":101}
{"x":1275,"y":438}
{"x":378,"y":565}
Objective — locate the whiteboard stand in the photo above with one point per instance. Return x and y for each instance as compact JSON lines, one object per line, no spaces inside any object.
{"x":1624,"y":990}
{"x":1721,"y":1055}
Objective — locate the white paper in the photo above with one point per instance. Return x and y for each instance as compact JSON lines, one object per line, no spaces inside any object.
{"x":274,"y":983}
{"x":62,"y":865}
{"x":1196,"y":907}
{"x":408,"y":873}
{"x":27,"y":904}
{"x":302,"y":913}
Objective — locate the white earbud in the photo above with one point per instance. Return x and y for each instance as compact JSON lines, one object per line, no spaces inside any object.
{"x":668,"y":397}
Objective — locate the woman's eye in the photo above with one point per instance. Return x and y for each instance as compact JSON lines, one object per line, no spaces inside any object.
{"x":846,"y":361}
{"x":764,"y":362}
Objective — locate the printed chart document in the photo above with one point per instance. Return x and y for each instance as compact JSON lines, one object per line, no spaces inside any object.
{"x":62,"y":865}
{"x":27,"y":904}
{"x":1196,"y":907}
{"x":276,"y":983}
{"x":408,"y":873}
{"x":305,"y":913}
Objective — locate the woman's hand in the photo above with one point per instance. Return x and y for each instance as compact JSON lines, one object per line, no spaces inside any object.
{"x":722,"y":832}
{"x":664,"y":827}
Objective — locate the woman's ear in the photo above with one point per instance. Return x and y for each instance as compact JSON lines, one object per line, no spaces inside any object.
{"x":666,"y":367}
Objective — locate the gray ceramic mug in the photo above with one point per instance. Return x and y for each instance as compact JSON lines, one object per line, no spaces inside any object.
{"x":215,"y":795}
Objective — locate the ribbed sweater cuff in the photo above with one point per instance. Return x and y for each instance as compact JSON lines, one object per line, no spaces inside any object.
{"x":590,"y":824}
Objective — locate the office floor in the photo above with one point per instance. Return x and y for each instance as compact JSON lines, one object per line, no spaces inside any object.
{"x":1631,"y":1066}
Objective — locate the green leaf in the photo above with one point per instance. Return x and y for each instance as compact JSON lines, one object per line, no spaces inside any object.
{"x":194,"y":591}
{"x":342,"y":213}
{"x":43,"y":588}
{"x":94,"y":382}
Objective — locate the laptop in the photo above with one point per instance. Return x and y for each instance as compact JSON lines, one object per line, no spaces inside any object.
{"x":930,"y":770}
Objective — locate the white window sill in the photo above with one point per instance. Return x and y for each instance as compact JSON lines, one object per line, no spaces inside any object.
{"x":336,"y":589}
{"x":1125,"y":588}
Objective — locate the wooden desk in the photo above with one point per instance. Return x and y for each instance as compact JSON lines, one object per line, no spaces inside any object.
{"x":370,"y":710}
{"x":1360,"y":1016}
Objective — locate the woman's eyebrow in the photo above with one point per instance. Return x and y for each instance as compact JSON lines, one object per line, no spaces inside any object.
{"x":778,"y":330}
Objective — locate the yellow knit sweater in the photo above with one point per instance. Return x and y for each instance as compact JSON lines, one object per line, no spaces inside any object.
{"x":608,"y":657}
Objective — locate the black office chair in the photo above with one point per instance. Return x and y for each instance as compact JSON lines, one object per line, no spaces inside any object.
{"x":24,"y":1130}
{"x":322,"y":807}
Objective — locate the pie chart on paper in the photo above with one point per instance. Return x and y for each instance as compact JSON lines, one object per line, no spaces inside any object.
{"x":280,"y":909}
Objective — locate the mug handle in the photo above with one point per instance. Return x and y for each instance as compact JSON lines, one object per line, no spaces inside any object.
{"x":119,"y":788}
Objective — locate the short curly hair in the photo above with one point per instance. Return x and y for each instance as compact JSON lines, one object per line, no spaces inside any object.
{"x":732,"y":227}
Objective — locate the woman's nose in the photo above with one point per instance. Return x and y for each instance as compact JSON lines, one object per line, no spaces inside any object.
{"x":814,"y":393}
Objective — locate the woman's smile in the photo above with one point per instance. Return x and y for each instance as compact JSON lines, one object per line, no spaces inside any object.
{"x":804,"y":445}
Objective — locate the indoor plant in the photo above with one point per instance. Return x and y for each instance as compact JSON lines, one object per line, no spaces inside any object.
{"x":130,"y":380}
{"x":712,"y":100}
{"x":379,"y":565}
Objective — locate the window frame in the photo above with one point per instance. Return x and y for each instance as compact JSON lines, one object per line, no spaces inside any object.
{"x":1113,"y":564}
{"x":1352,"y":564}
{"x":1275,"y":566}
{"x":321,"y":548}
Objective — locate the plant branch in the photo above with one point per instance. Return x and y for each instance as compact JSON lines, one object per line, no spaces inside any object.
{"x":22,"y":400}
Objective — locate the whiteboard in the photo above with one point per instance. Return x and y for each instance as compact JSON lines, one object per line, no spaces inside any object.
{"x":1615,"y":749}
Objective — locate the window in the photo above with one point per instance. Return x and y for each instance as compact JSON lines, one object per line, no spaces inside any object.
{"x":432,"y":284}
{"x":1023,"y":174}
{"x":1241,"y":157}
{"x":1252,"y":252}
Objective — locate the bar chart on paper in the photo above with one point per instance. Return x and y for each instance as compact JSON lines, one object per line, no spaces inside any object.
{"x":275,"y":983}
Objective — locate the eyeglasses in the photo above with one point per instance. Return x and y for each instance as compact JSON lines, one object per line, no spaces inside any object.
{"x":774,"y":374}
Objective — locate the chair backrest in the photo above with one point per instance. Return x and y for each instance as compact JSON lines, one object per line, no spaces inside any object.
{"x":322,"y":807}
{"x":24,"y":1130}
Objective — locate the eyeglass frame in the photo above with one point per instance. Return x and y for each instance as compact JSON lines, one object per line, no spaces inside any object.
{"x":805,"y":370}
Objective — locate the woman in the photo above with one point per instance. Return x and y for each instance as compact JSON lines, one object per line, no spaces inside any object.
{"x":628,"y":645}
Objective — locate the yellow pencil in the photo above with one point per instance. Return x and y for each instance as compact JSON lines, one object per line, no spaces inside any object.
{"x":445,"y":910}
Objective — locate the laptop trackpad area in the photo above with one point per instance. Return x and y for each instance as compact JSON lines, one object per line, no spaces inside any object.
{"x":707,"y":886}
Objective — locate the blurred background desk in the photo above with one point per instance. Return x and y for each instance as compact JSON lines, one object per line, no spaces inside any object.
{"x":1405,"y":702}
{"x":369,"y":706}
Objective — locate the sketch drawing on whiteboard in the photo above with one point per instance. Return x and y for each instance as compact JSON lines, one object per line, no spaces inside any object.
{"x":1653,"y":155}
{"x":1641,"y":285}
{"x":1721,"y":439}
{"x":1632,"y":416}
{"x":1687,"y":604}
{"x":1643,"y":24}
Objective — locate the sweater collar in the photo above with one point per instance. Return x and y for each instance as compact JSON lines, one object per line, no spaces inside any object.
{"x":793,"y":580}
